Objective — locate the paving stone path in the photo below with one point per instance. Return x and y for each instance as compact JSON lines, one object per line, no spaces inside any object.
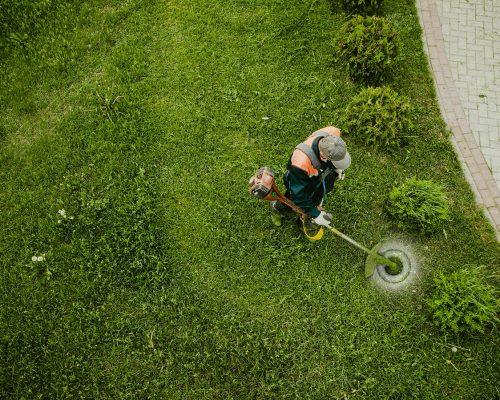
{"x":462,"y":39}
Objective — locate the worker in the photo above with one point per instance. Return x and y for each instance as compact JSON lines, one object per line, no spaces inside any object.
{"x":312,"y":170}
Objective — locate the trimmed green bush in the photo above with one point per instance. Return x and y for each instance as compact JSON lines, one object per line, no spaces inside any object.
{"x":362,"y":7}
{"x":378,"y":117}
{"x":419,"y":205}
{"x":463,"y":302}
{"x":368,"y":46}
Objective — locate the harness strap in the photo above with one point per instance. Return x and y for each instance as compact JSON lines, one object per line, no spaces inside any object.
{"x":326,"y":172}
{"x":304,"y":148}
{"x":309,"y":152}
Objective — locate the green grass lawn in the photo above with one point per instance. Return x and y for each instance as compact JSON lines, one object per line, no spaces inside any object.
{"x":164,"y":278}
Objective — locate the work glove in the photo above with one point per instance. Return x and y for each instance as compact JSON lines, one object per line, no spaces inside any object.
{"x":340,"y":174}
{"x":323,"y":219}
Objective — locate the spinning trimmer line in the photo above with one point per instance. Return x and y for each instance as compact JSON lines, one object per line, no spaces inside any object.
{"x":263,"y":186}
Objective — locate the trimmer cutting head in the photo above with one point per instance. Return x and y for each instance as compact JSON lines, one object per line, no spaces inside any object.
{"x":403,"y":271}
{"x":391,"y":262}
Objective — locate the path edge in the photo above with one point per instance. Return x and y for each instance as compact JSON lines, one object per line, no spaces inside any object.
{"x":474,"y":166}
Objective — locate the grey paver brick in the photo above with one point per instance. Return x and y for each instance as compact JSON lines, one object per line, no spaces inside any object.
{"x":484,"y":141}
{"x":495,"y":192}
{"x":494,"y":115}
{"x":480,"y":183}
{"x":471,"y":164}
{"x":472,"y":143}
{"x":495,"y":215}
{"x":477,"y":154}
{"x":488,"y":200}
{"x":483,"y":111}
{"x":464,"y":149}
{"x":464,"y":125}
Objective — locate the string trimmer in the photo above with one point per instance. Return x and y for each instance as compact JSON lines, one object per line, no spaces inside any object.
{"x":263,"y":186}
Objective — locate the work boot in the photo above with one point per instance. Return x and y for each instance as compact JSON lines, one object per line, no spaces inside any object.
{"x":276,"y":215}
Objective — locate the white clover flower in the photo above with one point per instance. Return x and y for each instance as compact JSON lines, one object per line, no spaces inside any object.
{"x":38,"y":258}
{"x":62,"y":213}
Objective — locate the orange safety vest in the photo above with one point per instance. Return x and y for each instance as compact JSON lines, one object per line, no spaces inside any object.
{"x":303,"y":156}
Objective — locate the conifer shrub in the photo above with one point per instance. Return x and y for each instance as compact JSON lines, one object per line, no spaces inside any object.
{"x":378,"y":117}
{"x":419,"y":205}
{"x":362,"y":7}
{"x":368,"y":46}
{"x":463,"y":302}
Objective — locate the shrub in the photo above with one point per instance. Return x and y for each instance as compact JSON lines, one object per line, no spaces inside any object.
{"x":368,"y":47}
{"x":419,"y":205}
{"x":378,"y":116}
{"x":362,"y":7}
{"x":463,"y":302}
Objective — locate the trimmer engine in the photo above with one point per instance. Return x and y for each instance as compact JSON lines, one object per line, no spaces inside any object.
{"x":262,"y":183}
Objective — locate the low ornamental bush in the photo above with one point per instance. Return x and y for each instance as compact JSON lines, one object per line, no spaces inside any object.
{"x":362,"y":7}
{"x":368,"y":46}
{"x":419,"y":205}
{"x":378,"y":117}
{"x":463,"y":302}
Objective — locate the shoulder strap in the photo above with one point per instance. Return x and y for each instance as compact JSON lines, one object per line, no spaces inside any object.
{"x":304,"y":148}
{"x":308,"y":151}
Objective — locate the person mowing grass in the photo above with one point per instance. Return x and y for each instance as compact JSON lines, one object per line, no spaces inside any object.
{"x":312,"y":170}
